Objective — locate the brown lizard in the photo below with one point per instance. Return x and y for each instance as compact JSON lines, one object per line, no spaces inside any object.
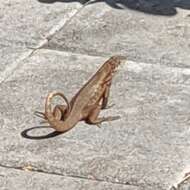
{"x":87,"y":103}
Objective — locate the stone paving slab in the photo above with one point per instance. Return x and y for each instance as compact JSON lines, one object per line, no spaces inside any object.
{"x":147,"y":148}
{"x":18,"y":179}
{"x":26,"y":24}
{"x":104,"y":29}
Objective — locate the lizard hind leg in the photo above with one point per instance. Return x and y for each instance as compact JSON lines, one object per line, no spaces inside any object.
{"x":94,"y":119}
{"x":40,"y":114}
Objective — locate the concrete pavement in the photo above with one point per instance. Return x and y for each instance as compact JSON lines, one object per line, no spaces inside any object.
{"x":148,"y":148}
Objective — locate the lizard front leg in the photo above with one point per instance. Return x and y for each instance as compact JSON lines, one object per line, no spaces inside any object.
{"x":105,"y":97}
{"x":106,"y":94}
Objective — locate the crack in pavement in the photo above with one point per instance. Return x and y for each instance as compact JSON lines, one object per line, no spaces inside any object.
{"x":33,"y":169}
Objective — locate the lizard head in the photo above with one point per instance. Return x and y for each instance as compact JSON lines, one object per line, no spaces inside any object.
{"x":111,"y":64}
{"x":116,"y":60}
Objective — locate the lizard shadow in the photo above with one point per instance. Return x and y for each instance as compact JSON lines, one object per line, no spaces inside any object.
{"x":25,"y":133}
{"x":155,"y":7}
{"x":63,"y":1}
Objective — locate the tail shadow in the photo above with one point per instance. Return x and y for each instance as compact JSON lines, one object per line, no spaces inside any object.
{"x":25,"y":134}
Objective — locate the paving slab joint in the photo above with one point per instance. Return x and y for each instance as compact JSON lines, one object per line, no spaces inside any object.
{"x":61,"y":25}
{"x":34,"y":169}
{"x":14,"y":66}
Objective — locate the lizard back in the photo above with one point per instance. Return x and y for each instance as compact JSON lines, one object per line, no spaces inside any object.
{"x":92,"y":91}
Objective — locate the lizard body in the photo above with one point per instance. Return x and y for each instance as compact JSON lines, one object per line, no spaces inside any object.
{"x":87,"y":102}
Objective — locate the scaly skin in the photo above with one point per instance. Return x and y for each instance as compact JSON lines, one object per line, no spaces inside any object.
{"x":88,"y":102}
{"x":59,"y":112}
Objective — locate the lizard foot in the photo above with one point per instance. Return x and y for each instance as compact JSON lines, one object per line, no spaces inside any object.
{"x":40,"y":114}
{"x":100,"y":120}
{"x":98,"y":125}
{"x":108,"y":107}
{"x":110,"y":118}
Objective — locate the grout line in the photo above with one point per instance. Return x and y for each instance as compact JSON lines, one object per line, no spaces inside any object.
{"x":14,"y":66}
{"x":173,"y":68}
{"x":69,"y":176}
{"x":61,"y":24}
{"x":111,"y":54}
{"x":64,"y":23}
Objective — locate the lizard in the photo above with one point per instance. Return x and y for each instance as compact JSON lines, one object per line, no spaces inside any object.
{"x":59,"y":111}
{"x":87,"y":102}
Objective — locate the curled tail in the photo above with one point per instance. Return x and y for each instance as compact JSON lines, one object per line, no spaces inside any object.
{"x":54,"y":122}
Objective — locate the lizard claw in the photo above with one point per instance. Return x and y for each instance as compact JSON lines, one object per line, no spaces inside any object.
{"x":112,"y":118}
{"x":44,"y":121}
{"x":110,"y":106}
{"x":98,"y":125}
{"x":40,"y":114}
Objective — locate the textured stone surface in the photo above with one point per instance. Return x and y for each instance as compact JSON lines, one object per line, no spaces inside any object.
{"x":103,"y":29}
{"x":148,"y":147}
{"x":17,"y":179}
{"x":10,"y":58}
{"x":24,"y":23}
